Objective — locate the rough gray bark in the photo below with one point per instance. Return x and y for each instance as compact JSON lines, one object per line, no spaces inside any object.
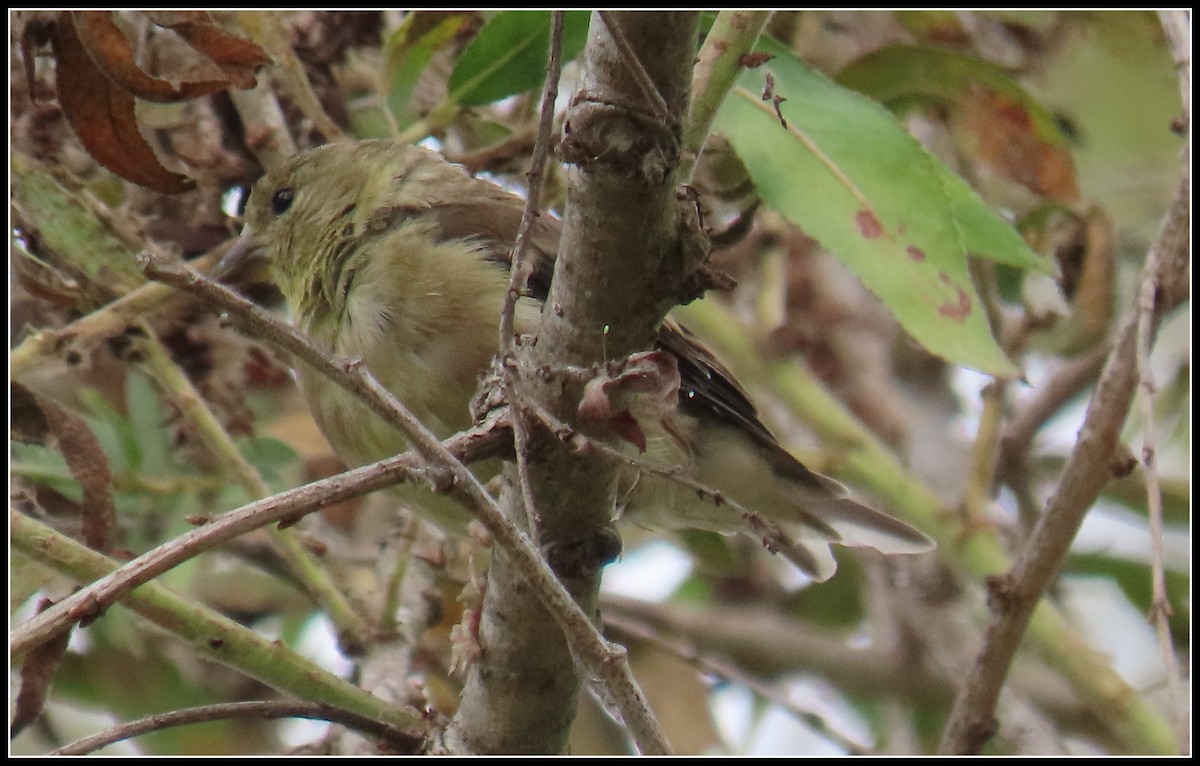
{"x":628,"y":246}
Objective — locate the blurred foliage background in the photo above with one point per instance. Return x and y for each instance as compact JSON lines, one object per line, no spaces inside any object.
{"x":136,"y":130}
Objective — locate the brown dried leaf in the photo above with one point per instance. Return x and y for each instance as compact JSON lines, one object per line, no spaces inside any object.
{"x":1007,"y":140}
{"x":237,"y":57}
{"x":644,"y":386}
{"x":112,"y":52}
{"x":102,"y":115}
{"x":85,"y":457}
{"x":44,"y":281}
{"x":26,"y":422}
{"x":37,"y":672}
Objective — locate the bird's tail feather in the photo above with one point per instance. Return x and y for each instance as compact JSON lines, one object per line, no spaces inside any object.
{"x":846,"y":521}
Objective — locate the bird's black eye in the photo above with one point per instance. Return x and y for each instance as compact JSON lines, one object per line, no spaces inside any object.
{"x":281,"y":200}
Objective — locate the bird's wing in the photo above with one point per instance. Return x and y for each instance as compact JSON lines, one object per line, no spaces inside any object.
{"x":707,"y":387}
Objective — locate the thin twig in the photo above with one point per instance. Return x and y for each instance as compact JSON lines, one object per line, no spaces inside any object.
{"x":402,"y":741}
{"x":977,"y":496}
{"x":519,"y":269}
{"x":705,"y":662}
{"x":1062,"y":386}
{"x":388,"y":664}
{"x":866,"y":462}
{"x":1177,"y":29}
{"x":396,"y":578}
{"x":532,"y":520}
{"x":210,"y":635}
{"x":259,"y":108}
{"x":519,"y":273}
{"x":982,"y":478}
{"x":765,"y":643}
{"x":140,"y":303}
{"x":495,"y":156}
{"x":104,"y":322}
{"x":1016,"y":443}
{"x":1160,"y":604}
{"x":1015,"y":595}
{"x":640,"y":75}
{"x":285,"y":505}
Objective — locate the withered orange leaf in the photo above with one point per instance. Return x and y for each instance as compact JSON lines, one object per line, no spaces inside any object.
{"x":997,"y":120}
{"x":111,"y":50}
{"x":1007,"y":139}
{"x":237,"y":57}
{"x":102,"y":114}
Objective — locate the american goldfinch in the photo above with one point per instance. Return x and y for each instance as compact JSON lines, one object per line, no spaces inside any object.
{"x":388,"y":253}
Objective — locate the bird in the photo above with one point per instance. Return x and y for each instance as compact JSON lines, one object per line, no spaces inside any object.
{"x":388,"y":253}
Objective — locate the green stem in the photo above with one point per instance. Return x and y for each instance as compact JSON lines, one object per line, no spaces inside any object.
{"x":209,"y":634}
{"x":718,"y":65}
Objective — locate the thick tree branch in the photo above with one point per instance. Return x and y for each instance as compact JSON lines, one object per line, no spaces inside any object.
{"x":618,"y":272}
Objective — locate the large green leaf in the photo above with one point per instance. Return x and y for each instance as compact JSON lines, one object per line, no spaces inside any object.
{"x":409,"y":50}
{"x":508,"y":56}
{"x":839,"y":166}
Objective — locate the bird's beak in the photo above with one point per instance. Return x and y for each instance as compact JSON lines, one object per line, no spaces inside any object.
{"x":245,"y":261}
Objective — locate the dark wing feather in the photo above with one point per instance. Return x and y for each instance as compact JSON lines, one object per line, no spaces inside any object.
{"x":708,"y":388}
{"x":706,"y":384}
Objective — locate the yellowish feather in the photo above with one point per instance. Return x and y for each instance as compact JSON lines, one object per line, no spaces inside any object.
{"x":388,"y":254}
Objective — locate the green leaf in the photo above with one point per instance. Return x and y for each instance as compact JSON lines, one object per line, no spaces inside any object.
{"x":43,"y":465}
{"x":509,"y":54}
{"x":407,"y":54}
{"x":899,"y":75}
{"x":147,"y":423}
{"x":845,"y":171}
{"x":270,"y":456}
{"x":115,"y":432}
